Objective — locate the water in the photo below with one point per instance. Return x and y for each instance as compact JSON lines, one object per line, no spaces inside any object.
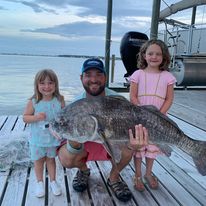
{"x":17,"y":77}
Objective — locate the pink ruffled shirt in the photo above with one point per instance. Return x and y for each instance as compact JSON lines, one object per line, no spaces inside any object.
{"x":152,"y":87}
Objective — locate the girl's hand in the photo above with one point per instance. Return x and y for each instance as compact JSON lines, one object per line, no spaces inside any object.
{"x":40,"y":116}
{"x":140,"y":138}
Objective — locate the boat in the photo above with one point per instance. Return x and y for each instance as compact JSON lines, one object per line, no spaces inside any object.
{"x":186,"y":43}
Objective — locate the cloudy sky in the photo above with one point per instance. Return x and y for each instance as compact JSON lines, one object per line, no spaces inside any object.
{"x":73,"y":26}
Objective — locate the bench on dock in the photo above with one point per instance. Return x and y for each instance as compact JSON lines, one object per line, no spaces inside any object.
{"x":179,"y":181}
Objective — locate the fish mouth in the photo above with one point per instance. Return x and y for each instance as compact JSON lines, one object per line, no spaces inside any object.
{"x":47,"y":125}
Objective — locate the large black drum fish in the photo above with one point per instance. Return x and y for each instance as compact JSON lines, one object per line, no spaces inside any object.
{"x":107,"y":120}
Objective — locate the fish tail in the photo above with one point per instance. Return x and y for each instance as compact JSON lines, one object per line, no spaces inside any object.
{"x":200,"y":160}
{"x":200,"y":163}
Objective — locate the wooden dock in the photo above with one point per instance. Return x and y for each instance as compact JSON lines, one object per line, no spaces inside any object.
{"x":180,"y":183}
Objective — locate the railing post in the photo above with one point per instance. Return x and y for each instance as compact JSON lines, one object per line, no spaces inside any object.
{"x":112,"y":68}
{"x":155,"y":19}
{"x":108,"y":39}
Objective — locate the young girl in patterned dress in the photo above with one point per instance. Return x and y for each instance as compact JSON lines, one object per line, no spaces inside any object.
{"x":152,"y":84}
{"x":40,"y":109}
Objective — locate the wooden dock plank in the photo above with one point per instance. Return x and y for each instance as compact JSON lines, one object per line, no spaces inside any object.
{"x":19,"y":125}
{"x":61,"y":199}
{"x":198,"y":119}
{"x":157,"y":197}
{"x":189,"y":169}
{"x":105,"y":167}
{"x":15,"y":188}
{"x":97,"y":186}
{"x":177,"y":190}
{"x":8,"y":125}
{"x":2,"y":121}
{"x":189,"y":105}
{"x":190,"y":130}
{"x":148,"y":197}
{"x":180,"y":183}
{"x":192,"y":186}
{"x":76,"y":199}
{"x":31,"y":200}
{"x":141,"y":198}
{"x":3,"y":181}
{"x":187,"y":159}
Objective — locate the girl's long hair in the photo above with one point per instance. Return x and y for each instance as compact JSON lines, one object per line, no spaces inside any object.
{"x":141,"y":62}
{"x":41,"y":76}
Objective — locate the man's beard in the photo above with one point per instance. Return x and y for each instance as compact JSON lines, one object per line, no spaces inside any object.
{"x":94,"y":93}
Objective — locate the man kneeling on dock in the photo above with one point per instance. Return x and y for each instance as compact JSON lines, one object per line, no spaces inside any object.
{"x":73,"y":154}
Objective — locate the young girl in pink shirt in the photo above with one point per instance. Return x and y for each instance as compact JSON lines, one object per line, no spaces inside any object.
{"x":152,"y":84}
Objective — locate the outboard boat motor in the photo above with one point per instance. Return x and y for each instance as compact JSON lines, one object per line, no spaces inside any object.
{"x":129,"y":48}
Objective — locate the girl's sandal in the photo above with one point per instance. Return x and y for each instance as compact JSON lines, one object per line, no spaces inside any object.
{"x":151,"y":181}
{"x":139,"y":184}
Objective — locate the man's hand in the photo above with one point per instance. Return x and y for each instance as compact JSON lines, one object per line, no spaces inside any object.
{"x":140,"y":138}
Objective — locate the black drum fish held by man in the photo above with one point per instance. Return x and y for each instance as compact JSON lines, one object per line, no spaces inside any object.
{"x":107,"y":119}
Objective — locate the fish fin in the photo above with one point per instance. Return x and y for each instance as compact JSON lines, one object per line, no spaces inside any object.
{"x":106,"y":143}
{"x":119,"y":97}
{"x":200,"y":164}
{"x":108,"y":147}
{"x":99,"y":132}
{"x":200,"y":158}
{"x":166,"y":149}
{"x":152,"y":108}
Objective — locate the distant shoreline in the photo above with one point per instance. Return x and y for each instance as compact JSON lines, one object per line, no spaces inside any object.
{"x":60,"y":55}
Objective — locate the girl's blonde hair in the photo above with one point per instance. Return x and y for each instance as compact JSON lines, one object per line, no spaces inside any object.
{"x":41,"y":76}
{"x":141,"y":62}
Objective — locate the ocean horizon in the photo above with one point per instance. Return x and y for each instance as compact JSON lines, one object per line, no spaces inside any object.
{"x":17,"y":74}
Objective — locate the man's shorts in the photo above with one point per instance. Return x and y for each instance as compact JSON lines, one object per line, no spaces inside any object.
{"x":40,"y":152}
{"x":95,"y":151}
